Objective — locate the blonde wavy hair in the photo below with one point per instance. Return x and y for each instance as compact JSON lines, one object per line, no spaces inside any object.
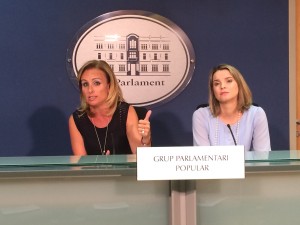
{"x":244,"y":93}
{"x":115,"y":94}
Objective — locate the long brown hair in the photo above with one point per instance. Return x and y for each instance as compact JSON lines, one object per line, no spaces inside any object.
{"x":244,"y":95}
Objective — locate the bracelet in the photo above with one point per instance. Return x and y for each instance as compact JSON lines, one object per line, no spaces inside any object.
{"x":143,"y":143}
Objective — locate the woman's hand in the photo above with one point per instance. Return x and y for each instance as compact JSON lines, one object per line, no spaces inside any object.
{"x":144,"y":129}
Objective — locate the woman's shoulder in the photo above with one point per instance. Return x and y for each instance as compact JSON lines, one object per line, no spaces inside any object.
{"x":203,"y":111}
{"x":79,"y":115}
{"x":122,"y":107}
{"x":256,"y":110}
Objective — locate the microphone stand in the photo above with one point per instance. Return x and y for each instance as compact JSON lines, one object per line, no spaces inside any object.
{"x":228,"y":125}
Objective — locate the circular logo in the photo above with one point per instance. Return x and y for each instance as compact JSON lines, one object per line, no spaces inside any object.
{"x":152,"y":58}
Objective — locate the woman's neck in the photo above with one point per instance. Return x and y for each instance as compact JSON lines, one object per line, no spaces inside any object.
{"x":99,"y":111}
{"x":229,"y":113}
{"x":100,"y":116}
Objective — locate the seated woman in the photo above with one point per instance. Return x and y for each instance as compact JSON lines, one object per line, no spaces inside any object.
{"x":230,"y":118}
{"x":104,"y":123}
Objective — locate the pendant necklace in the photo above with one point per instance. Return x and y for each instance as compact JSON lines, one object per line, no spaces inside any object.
{"x":103,"y":151}
{"x":237,"y":129}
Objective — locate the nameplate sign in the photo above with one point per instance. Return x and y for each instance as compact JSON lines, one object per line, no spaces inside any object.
{"x":190,"y":163}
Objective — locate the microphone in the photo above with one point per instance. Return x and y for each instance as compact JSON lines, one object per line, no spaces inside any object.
{"x":228,"y":125}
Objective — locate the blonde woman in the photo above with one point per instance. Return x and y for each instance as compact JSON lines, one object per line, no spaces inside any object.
{"x":104,"y":123}
{"x":230,"y":118}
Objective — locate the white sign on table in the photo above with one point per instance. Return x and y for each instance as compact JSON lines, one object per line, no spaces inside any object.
{"x":190,"y":162}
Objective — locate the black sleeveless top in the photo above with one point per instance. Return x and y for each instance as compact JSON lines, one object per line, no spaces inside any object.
{"x":116,"y":138}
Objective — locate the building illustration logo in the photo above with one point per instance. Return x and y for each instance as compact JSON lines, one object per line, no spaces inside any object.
{"x":152,"y":58}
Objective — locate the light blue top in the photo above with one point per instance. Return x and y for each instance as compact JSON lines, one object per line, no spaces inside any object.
{"x":252,"y":130}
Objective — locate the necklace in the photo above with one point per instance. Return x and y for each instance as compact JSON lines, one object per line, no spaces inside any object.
{"x":237,"y":129}
{"x":103,"y":151}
